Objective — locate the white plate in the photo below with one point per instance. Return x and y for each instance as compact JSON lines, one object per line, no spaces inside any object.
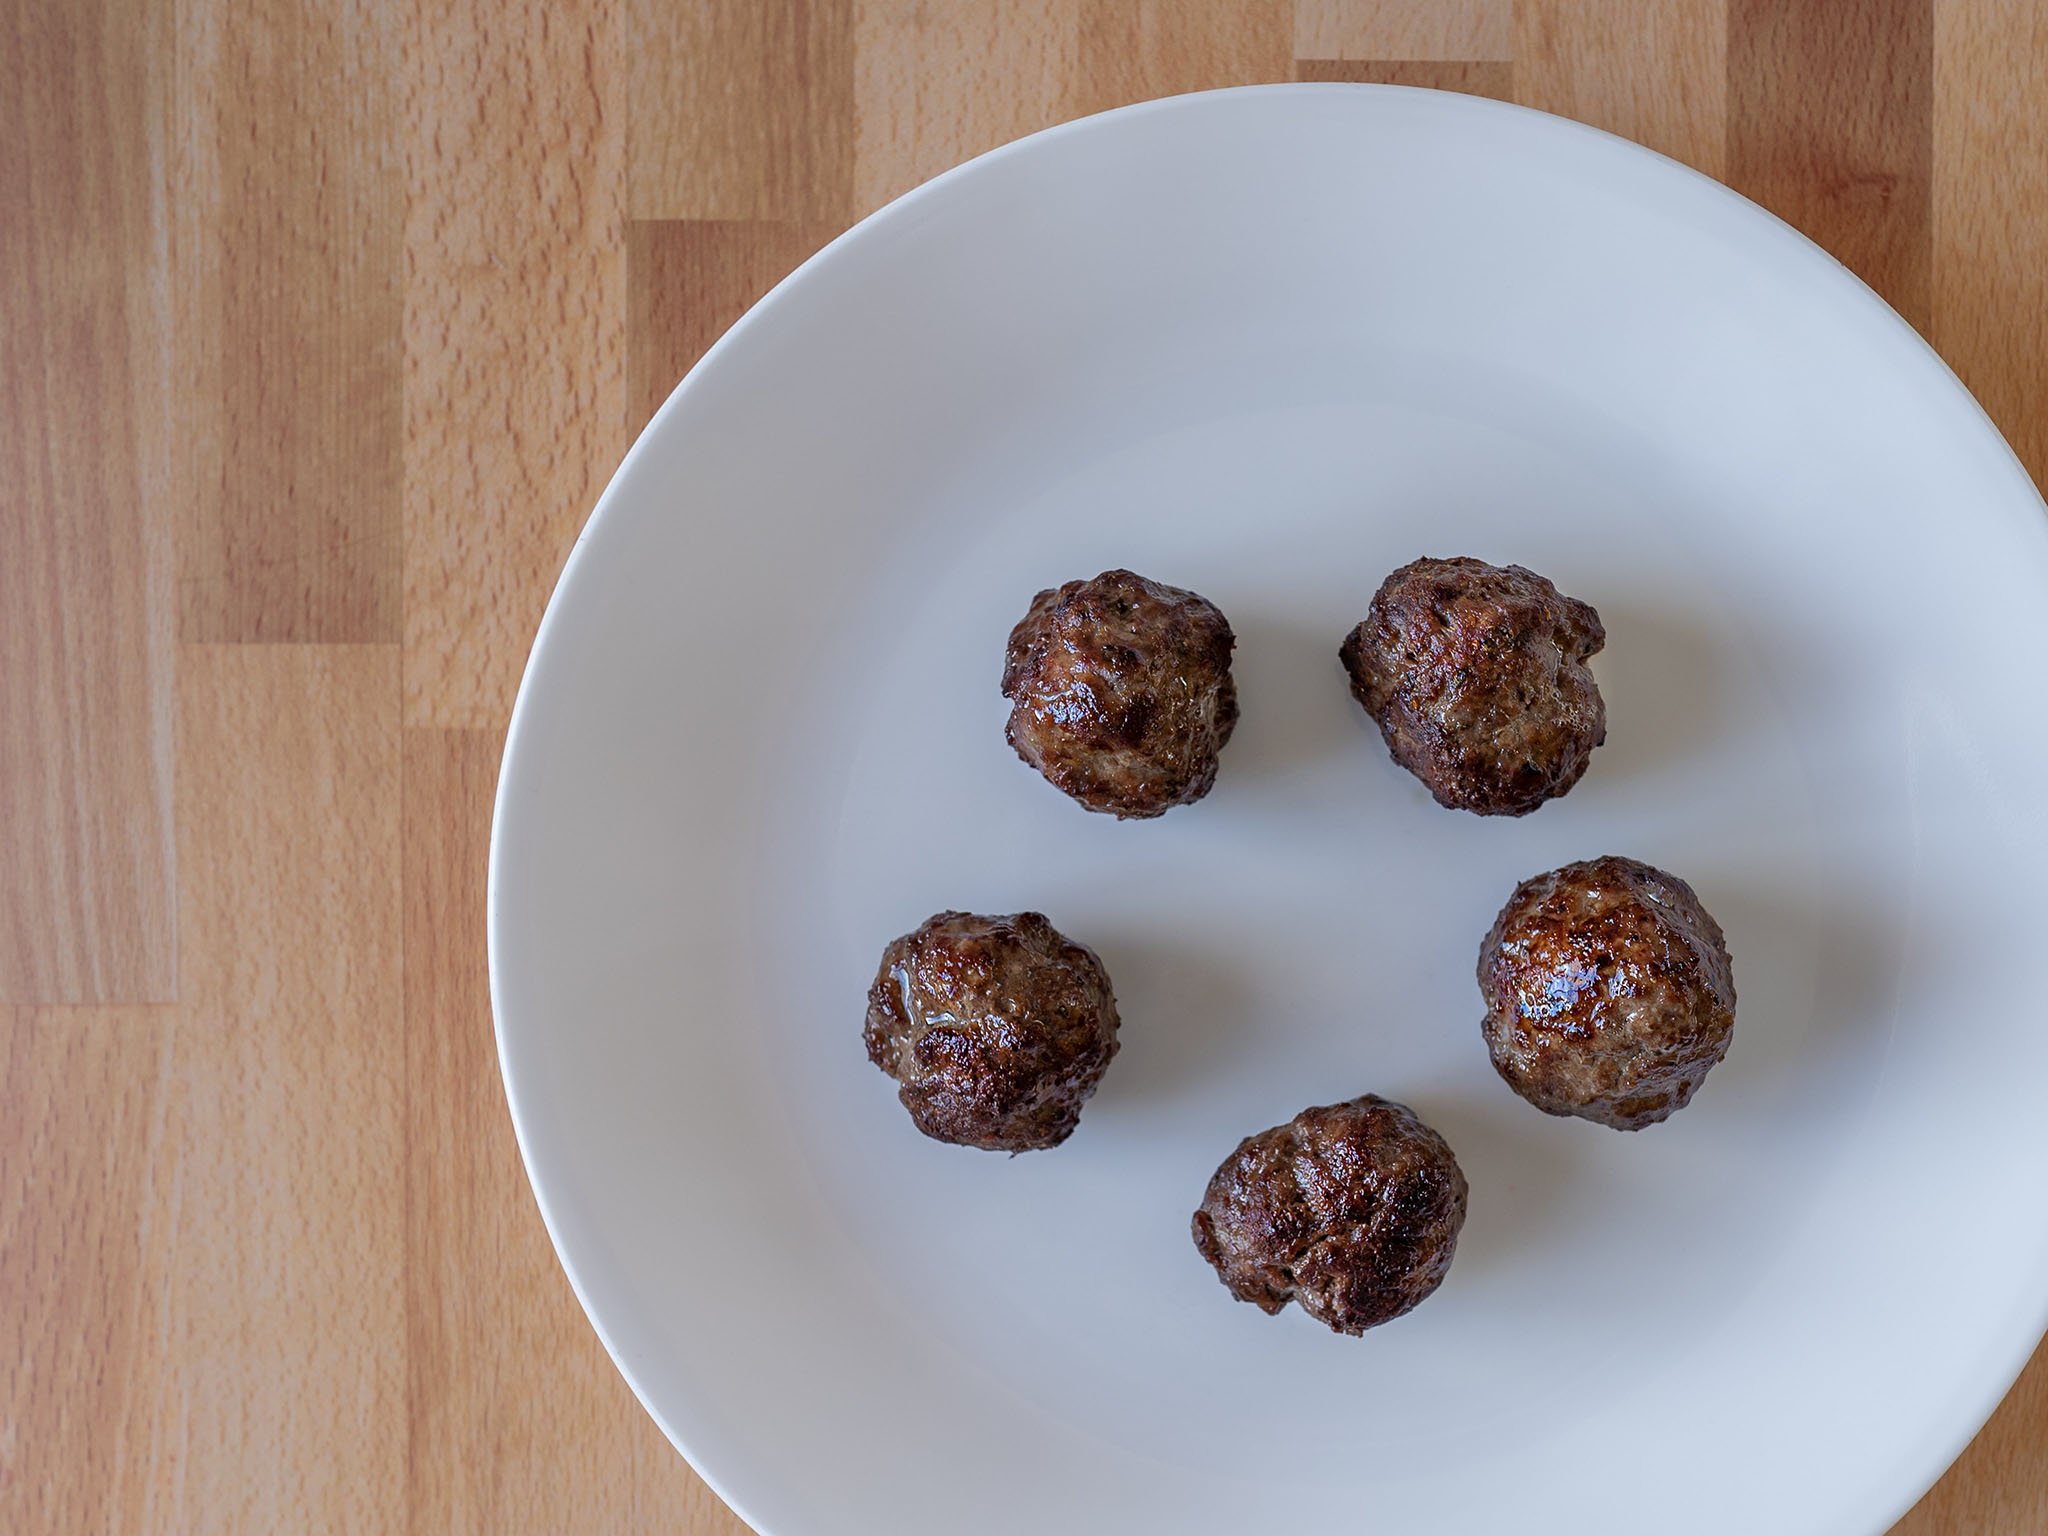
{"x":1270,"y":344}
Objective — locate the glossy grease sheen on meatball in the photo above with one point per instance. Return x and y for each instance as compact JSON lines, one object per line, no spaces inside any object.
{"x":1609,"y":993}
{"x":1477,"y":676}
{"x":1120,"y":692}
{"x":1352,"y":1210}
{"x":998,"y":1028}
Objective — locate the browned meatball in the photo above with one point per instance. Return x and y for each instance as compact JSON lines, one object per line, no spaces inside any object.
{"x":1120,"y":692}
{"x":1353,"y":1210}
{"x":1609,"y":993}
{"x":998,"y":1028}
{"x":1477,"y":676}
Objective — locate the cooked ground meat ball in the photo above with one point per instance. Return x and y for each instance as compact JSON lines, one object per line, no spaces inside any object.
{"x":998,"y":1028}
{"x":1353,"y":1210}
{"x":1609,"y":993}
{"x":1477,"y":676}
{"x":1120,"y":692}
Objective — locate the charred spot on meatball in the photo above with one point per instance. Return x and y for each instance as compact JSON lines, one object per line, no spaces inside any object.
{"x":1477,"y":676}
{"x":1609,"y":992}
{"x":998,"y":1029}
{"x":1120,"y":692}
{"x":1351,"y":1210}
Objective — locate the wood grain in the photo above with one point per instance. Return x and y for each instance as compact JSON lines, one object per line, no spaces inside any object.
{"x":1404,"y":29}
{"x":86,"y":633}
{"x":1831,"y":127}
{"x":1133,"y":50}
{"x":515,"y":357}
{"x":276,"y":1228}
{"x":285,"y":256}
{"x":1471,"y":78}
{"x":508,"y":1386}
{"x":740,"y":109}
{"x":687,"y":280}
{"x":78,"y":1193}
{"x":935,"y":85}
{"x":1991,"y":212}
{"x":1655,"y":71}
{"x":320,"y":328}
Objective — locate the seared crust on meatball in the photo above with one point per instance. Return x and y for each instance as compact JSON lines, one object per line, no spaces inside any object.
{"x":1477,"y":676}
{"x":1121,"y":693}
{"x":1352,"y":1210}
{"x":1609,"y":992}
{"x":998,"y":1028}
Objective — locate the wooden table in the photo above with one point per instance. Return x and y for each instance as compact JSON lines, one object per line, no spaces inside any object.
{"x":321,"y":326}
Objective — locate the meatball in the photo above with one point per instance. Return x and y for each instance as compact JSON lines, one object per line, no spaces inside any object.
{"x":1609,"y":993}
{"x":1477,"y":676}
{"x":1352,"y":1210}
{"x":1120,"y":692}
{"x":998,"y":1028}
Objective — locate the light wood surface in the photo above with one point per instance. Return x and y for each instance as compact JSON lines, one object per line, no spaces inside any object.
{"x":87,"y":913}
{"x":321,"y":326}
{"x":284,"y":271}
